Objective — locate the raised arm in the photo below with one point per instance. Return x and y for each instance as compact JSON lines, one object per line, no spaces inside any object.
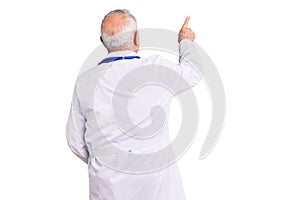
{"x":189,"y":57}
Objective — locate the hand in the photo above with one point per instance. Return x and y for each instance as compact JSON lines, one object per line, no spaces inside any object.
{"x":185,"y":32}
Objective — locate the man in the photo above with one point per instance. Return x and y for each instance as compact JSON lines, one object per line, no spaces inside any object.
{"x":95,"y":128}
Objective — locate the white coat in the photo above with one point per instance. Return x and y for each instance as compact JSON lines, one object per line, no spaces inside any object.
{"x":91,"y":111}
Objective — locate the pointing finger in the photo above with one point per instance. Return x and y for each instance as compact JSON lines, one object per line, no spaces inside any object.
{"x":186,"y":22}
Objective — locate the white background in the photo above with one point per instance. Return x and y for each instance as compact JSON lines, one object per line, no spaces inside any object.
{"x":254,"y":44}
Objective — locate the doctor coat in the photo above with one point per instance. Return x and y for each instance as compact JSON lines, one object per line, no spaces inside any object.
{"x":92,"y":125}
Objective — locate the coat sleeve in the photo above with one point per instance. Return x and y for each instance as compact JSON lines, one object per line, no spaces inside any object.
{"x":75,"y":130}
{"x":190,"y":65}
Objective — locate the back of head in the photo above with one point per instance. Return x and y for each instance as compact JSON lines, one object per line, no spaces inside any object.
{"x":118,"y":30}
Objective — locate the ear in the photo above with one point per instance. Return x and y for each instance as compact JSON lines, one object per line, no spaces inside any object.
{"x":136,"y":39}
{"x":101,"y":39}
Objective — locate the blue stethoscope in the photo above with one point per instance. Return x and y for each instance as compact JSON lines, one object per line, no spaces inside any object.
{"x":112,"y":59}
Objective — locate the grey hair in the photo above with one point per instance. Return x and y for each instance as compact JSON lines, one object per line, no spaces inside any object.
{"x":124,"y":38}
